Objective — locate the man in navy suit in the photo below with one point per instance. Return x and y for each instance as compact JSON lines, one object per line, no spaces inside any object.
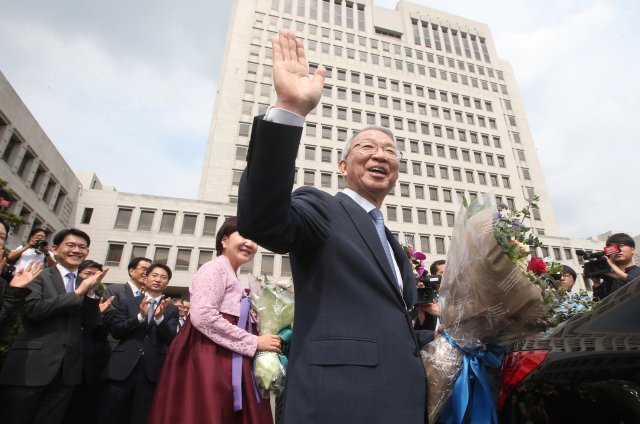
{"x":354,"y":356}
{"x":145,"y":325}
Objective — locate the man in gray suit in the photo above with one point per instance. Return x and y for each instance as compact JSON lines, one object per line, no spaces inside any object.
{"x":45,"y":361}
{"x":354,"y":355}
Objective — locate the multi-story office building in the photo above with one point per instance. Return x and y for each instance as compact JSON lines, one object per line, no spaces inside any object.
{"x":433,"y":78}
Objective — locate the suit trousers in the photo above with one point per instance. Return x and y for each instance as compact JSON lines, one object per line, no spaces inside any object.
{"x":35,"y":405}
{"x":129,"y":400}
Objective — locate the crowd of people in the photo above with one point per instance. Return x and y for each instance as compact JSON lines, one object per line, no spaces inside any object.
{"x":128,"y":353}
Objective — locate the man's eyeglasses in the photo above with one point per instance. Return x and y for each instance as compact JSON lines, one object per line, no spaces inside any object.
{"x":72,"y":246}
{"x":158,"y":276}
{"x":370,"y":149}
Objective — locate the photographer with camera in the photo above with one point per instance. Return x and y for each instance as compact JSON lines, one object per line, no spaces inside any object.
{"x":619,"y":251}
{"x":36,"y":249}
{"x":428,"y":286}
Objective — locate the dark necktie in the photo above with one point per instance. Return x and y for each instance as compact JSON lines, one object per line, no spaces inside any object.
{"x":71,"y":282}
{"x":376,"y":214}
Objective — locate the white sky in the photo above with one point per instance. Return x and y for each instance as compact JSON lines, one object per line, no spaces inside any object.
{"x":126,"y":89}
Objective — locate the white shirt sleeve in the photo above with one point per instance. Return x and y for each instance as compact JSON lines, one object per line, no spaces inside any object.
{"x":283,"y":116}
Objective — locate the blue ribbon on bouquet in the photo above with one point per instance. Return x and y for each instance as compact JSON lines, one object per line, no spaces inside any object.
{"x":483,"y":408}
{"x":285,"y":334}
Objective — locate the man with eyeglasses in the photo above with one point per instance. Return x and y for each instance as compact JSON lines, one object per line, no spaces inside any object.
{"x":132,"y":288}
{"x":623,"y":268}
{"x":45,"y":361}
{"x":354,"y":355}
{"x":145,"y":326}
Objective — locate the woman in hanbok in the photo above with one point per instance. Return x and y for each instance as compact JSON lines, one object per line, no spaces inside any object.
{"x":207,"y":375}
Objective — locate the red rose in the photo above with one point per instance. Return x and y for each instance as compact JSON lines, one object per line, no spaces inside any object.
{"x":537,"y":266}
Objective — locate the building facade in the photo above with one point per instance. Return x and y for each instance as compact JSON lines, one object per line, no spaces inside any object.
{"x":433,"y":78}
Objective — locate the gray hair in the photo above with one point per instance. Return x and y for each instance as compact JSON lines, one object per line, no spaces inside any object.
{"x":347,"y":149}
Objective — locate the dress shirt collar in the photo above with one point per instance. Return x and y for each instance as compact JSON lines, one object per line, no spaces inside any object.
{"x":364,"y":203}
{"x":134,"y":289}
{"x":64,"y":271}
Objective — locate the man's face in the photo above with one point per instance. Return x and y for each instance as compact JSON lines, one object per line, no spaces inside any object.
{"x":157,"y":280}
{"x":371,"y":176}
{"x":71,"y":252}
{"x":440,"y":269}
{"x":185,"y":306}
{"x":625,"y":256}
{"x":567,"y":281}
{"x":139,"y":273}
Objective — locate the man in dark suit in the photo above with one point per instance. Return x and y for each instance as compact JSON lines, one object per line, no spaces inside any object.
{"x":45,"y":361}
{"x":134,"y":287}
{"x":145,"y":325}
{"x":354,"y":356}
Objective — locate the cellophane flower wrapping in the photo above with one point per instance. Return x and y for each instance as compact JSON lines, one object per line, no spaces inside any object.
{"x":273,"y":303}
{"x":485,"y":298}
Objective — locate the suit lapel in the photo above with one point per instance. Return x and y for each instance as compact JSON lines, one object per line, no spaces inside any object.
{"x":406,"y":273}
{"x":58,"y":281}
{"x":365,"y":226}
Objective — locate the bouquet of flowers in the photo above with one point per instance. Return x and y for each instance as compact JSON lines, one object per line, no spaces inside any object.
{"x":490,"y":296}
{"x":273,"y":304}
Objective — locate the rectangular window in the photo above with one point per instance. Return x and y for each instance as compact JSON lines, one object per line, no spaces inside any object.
{"x":189,"y":224}
{"x":391,"y":213}
{"x":210,"y":224}
{"x":146,"y":220}
{"x":161,"y":255}
{"x":404,"y":189}
{"x":114,"y":254}
{"x":325,"y":179}
{"x":417,"y":168}
{"x":422,"y":216}
{"x":450,"y":219}
{"x":440,"y":246}
{"x":167,"y":222}
{"x":310,"y":152}
{"x":123,"y":218}
{"x":436,"y":218}
{"x":183,"y":259}
{"x":433,"y":193}
{"x":138,"y":251}
{"x":419,"y":190}
{"x":204,"y":256}
{"x":446,"y":195}
{"x":309,"y":177}
{"x":86,"y":216}
{"x":406,"y":215}
{"x":425,"y":243}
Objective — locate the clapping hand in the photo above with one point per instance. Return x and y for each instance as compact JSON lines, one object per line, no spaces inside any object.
{"x":105,"y":304}
{"x":26,"y":275}
{"x":297,"y":91}
{"x":88,"y":285}
{"x":161,"y":307}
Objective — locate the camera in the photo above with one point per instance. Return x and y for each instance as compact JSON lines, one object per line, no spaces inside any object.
{"x":595,"y":263}
{"x":41,"y":244}
{"x":429,"y":293}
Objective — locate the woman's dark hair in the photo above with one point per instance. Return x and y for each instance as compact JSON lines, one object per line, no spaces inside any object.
{"x":36,"y":230}
{"x":229,"y":226}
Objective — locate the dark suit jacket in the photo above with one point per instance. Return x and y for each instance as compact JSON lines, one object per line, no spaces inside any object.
{"x":120,"y":292}
{"x":51,"y":334}
{"x":11,"y":301}
{"x":354,"y":356}
{"x":139,"y":339}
